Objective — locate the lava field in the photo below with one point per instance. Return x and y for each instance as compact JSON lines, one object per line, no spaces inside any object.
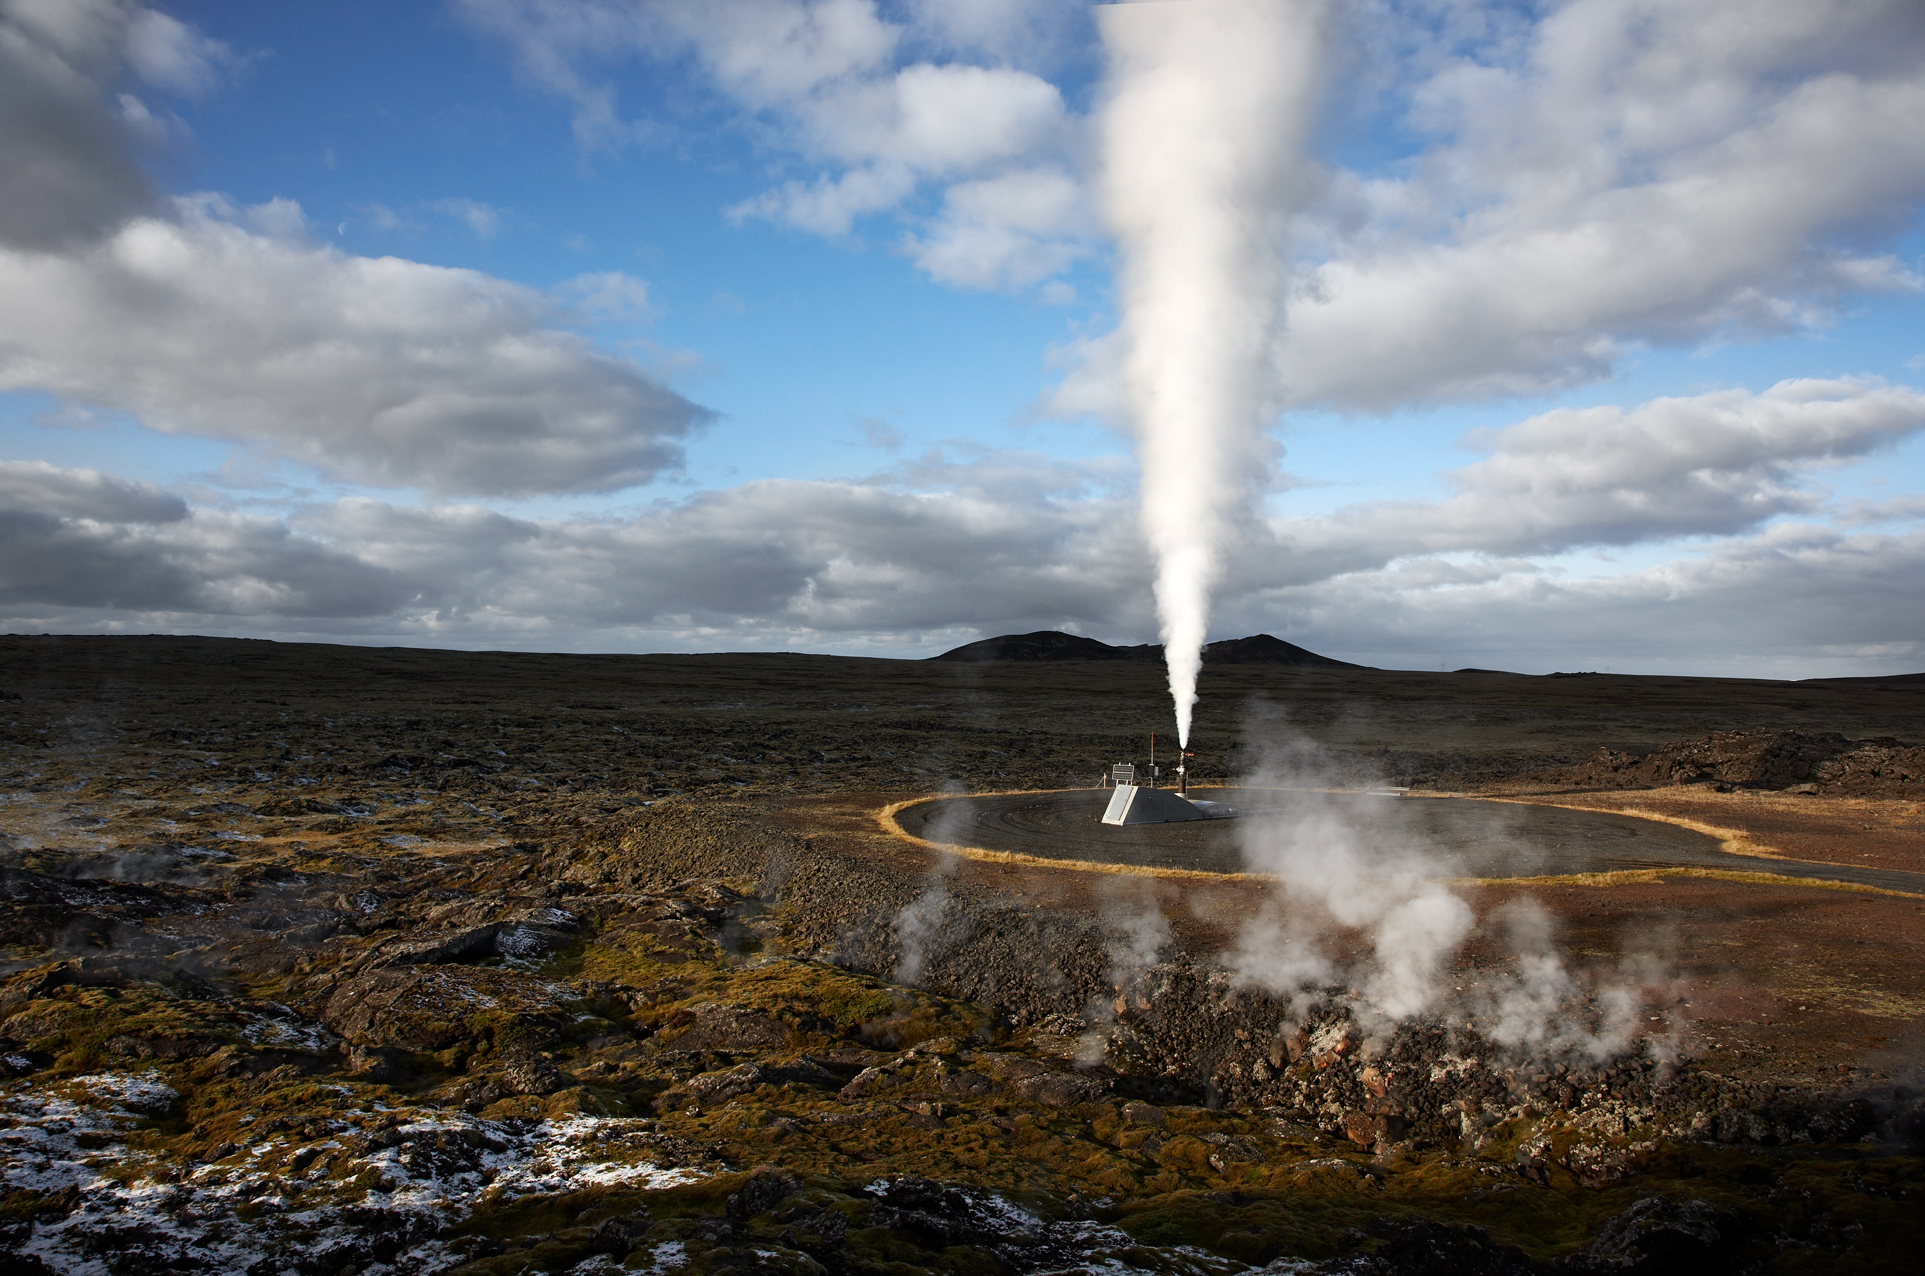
{"x":336,"y":960}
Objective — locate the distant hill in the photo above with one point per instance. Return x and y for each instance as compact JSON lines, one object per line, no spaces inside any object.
{"x":1047,"y":644}
{"x":1262,"y":649}
{"x":1053,"y":644}
{"x":1895,"y":679}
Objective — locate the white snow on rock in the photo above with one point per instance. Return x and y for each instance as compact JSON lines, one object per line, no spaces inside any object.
{"x":373,"y":1192}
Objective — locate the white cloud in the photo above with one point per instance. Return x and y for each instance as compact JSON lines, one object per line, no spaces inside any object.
{"x":1028,"y":543}
{"x":1896,"y":509}
{"x":1793,"y":601}
{"x":1709,"y":465}
{"x":845,"y":92}
{"x":767,"y":52}
{"x":1609,"y":173}
{"x":925,"y":122}
{"x":1605,"y":173}
{"x":959,"y":118}
{"x":1008,"y":231}
{"x":830,"y":205}
{"x":762,"y":53}
{"x":169,"y":54}
{"x":232,"y":324}
{"x":482,"y":220}
{"x":1638,"y":171}
{"x":608,"y":296}
{"x":75,"y":539}
{"x":378,"y":371}
{"x":1019,"y":32}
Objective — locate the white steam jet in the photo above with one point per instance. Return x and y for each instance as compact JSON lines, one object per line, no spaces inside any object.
{"x":1205,"y":110}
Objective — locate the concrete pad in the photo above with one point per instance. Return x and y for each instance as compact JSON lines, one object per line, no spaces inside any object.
{"x":1135,"y":804}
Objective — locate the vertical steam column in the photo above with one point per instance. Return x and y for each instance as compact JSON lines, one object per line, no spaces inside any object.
{"x":1202,"y":127}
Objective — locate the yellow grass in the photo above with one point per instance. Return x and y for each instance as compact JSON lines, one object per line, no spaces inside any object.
{"x":1651,"y":876}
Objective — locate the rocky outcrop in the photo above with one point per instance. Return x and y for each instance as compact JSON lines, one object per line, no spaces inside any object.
{"x":1819,"y":763}
{"x":430,"y":1008}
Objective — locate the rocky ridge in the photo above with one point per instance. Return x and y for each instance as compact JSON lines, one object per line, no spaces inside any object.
{"x":1817,"y":763}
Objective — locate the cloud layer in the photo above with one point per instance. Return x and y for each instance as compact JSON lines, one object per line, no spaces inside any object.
{"x":940,"y":550}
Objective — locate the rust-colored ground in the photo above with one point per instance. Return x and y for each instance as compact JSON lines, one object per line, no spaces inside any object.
{"x":1867,"y":832}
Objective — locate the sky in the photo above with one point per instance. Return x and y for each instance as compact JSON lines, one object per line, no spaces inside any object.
{"x":651,"y":325}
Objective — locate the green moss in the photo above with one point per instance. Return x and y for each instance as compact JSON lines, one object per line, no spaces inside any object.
{"x":630,"y":959}
{"x":497,"y":1029}
{"x":798,"y":989}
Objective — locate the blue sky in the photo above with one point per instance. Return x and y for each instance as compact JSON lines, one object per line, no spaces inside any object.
{"x":802,"y":331}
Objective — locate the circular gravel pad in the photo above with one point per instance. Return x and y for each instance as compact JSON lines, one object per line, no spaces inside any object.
{"x":1453,"y":837}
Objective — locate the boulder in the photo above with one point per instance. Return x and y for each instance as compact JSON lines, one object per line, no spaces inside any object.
{"x":720,"y":1087}
{"x":1654,"y":1236}
{"x":426,"y":1008}
{"x":717,"y":1028}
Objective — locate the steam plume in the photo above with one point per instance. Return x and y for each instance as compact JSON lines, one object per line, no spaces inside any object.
{"x":1201,"y":134}
{"x":1370,"y":872}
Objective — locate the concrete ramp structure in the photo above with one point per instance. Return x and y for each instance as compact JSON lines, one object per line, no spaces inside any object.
{"x":1136,"y":804}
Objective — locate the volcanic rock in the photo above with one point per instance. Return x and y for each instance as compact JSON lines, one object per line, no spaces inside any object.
{"x":1419,"y":1247}
{"x":1653,"y":1237}
{"x":1760,"y":758}
{"x":433,"y":1007}
{"x":722,"y":1029}
{"x":768,"y":1187}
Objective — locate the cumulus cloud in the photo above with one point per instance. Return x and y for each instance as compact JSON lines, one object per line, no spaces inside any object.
{"x":1582,"y":178}
{"x":608,"y":296}
{"x":199,"y":318}
{"x":1008,"y":231}
{"x":1794,"y":600}
{"x":1624,"y":171}
{"x":876,"y":109}
{"x":169,"y":54}
{"x":80,"y":539}
{"x":377,"y":371}
{"x":1706,"y":465}
{"x":938,"y":549}
{"x":1577,"y":181}
{"x":828,"y":205}
{"x":1017,"y":31}
{"x":925,"y":121}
